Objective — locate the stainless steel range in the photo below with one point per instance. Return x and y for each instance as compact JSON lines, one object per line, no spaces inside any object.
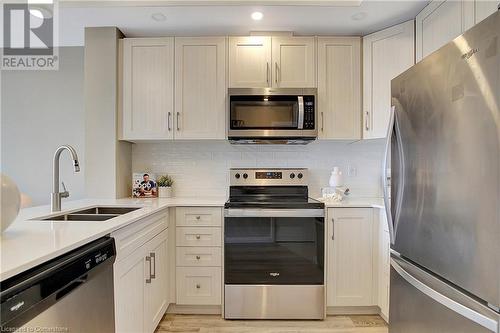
{"x":273,"y":247}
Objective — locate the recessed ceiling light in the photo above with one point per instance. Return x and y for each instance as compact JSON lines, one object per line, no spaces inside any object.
{"x":257,"y":16}
{"x":158,"y":17}
{"x":40,"y":12}
{"x":358,"y":16}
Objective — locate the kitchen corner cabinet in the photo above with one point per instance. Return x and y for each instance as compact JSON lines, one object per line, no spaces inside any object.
{"x":350,"y":257}
{"x":386,"y":54}
{"x":441,"y":21}
{"x":141,"y":275}
{"x":339,"y":88}
{"x":200,"y":88}
{"x":148,"y":88}
{"x":263,"y":61}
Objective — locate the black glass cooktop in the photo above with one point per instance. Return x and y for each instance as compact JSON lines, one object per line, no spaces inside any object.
{"x":291,"y":197}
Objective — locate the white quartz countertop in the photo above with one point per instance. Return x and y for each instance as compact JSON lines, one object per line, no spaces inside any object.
{"x":355,"y":202}
{"x":27,"y":243}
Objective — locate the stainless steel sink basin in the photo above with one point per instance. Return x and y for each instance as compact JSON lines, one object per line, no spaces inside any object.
{"x":97,"y":213}
{"x":80,"y":217}
{"x":106,"y":210}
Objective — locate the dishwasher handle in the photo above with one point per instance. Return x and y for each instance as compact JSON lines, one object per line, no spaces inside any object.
{"x":27,"y":294}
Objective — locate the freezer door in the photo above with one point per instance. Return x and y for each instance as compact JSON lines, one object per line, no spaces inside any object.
{"x":445,"y":154}
{"x":420,"y":303}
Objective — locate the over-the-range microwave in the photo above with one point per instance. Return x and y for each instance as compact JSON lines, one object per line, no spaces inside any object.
{"x":272,"y":115}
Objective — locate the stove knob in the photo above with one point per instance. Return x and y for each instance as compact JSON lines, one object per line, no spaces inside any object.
{"x":237,"y":176}
{"x":245,"y":176}
{"x":300,"y":176}
{"x":292,"y":175}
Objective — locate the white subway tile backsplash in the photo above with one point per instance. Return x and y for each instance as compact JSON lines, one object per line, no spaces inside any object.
{"x":201,"y":168}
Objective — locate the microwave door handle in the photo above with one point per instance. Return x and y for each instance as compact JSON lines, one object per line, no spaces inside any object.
{"x":300,"y":121}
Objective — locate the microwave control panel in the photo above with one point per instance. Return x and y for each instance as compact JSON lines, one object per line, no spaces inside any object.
{"x":309,"y":112}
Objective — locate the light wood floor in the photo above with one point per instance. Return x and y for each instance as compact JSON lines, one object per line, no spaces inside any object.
{"x":214,"y":323}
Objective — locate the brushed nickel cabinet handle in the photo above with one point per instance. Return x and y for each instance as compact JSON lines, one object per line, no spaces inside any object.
{"x":178,"y":127}
{"x":169,"y":118}
{"x":153,"y":261}
{"x":322,"y":122}
{"x":333,"y":229}
{"x":198,"y":217}
{"x":198,"y":257}
{"x":198,"y":236}
{"x":267,"y":72}
{"x":198,"y":286}
{"x":148,"y":259}
{"x":367,"y":122}
{"x":276,"y":72}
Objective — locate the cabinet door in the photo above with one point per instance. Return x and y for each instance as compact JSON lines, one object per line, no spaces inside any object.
{"x":440,"y":22}
{"x":484,"y":8}
{"x":386,"y":54}
{"x":129,"y":280}
{"x":249,"y":62}
{"x":148,"y":88}
{"x":384,"y":265}
{"x":199,"y":285}
{"x":156,"y":290}
{"x":339,"y":87}
{"x":294,"y":62}
{"x":350,"y":257}
{"x":200,"y":88}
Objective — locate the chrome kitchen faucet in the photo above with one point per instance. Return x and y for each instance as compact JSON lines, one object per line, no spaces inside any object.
{"x":55,"y":198}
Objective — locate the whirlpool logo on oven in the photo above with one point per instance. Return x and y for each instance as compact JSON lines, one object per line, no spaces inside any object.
{"x":274,"y":274}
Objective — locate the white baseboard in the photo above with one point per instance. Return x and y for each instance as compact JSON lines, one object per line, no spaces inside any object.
{"x":195,"y":309}
{"x":352,"y":310}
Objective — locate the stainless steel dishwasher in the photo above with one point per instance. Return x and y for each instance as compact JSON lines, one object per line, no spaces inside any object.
{"x":71,"y":293}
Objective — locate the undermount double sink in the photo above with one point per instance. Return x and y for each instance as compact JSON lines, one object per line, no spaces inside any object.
{"x":98,"y":213}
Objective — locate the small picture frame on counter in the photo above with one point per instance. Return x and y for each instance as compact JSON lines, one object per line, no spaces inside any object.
{"x":144,"y":185}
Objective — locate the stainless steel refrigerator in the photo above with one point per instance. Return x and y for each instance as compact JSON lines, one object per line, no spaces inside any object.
{"x":444,"y":209}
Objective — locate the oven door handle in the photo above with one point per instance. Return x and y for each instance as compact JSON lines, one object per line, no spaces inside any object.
{"x":255,"y":212}
{"x":300,"y":120}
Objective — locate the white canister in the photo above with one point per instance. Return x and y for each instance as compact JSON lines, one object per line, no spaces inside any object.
{"x":165,"y":192}
{"x":336,"y":178}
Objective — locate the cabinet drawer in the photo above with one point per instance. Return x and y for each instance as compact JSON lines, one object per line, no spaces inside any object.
{"x":129,"y":238}
{"x":198,"y":256}
{"x":198,"y":216}
{"x":198,"y":285}
{"x":198,"y":236}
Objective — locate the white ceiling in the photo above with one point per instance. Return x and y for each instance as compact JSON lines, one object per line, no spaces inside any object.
{"x":136,"y":21}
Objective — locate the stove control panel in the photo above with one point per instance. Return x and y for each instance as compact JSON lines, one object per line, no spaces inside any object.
{"x":268,"y":177}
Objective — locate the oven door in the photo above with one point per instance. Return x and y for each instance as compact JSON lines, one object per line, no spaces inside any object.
{"x":274,"y":246}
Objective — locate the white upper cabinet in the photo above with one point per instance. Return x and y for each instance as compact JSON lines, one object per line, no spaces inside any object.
{"x":386,"y":54}
{"x":294,"y":62}
{"x":260,"y":62}
{"x":339,"y":88}
{"x":249,"y":62}
{"x":148,"y":88}
{"x":200,"y":88}
{"x":485,"y":8}
{"x":440,"y":22}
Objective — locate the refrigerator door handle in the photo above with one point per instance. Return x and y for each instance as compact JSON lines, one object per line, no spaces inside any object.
{"x":468,"y":313}
{"x":385,"y":175}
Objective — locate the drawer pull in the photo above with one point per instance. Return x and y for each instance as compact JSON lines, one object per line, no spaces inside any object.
{"x":198,"y":286}
{"x":198,"y":236}
{"x":198,"y":257}
{"x":198,"y":217}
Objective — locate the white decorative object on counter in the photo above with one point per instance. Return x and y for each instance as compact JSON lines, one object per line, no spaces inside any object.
{"x":164,"y":192}
{"x":10,"y":201}
{"x":336,"y":178}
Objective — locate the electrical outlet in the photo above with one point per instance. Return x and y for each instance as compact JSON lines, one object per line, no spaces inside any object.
{"x":352,"y":171}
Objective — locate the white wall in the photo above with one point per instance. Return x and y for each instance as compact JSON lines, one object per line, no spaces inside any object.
{"x":40,"y":111}
{"x":201,"y":168}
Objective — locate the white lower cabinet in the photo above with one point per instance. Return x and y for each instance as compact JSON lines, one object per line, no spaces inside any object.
{"x":350,"y":257}
{"x":198,"y":256}
{"x":141,"y":277}
{"x":383,"y":257}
